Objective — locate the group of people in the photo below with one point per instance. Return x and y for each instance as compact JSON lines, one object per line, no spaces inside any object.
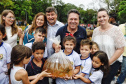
{"x":91,"y":60}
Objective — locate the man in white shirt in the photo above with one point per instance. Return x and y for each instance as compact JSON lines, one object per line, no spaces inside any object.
{"x":53,"y":26}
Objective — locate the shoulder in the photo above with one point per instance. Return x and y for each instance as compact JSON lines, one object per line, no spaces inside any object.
{"x":6,"y":45}
{"x":63,"y":28}
{"x":75,"y":54}
{"x":29,"y":45}
{"x":60,"y":23}
{"x":21,"y":73}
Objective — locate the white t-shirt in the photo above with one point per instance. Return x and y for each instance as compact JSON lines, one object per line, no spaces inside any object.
{"x":5,"y":54}
{"x":108,"y":41}
{"x":51,"y":32}
{"x":86,"y":66}
{"x":12,"y":40}
{"x":96,"y":76}
{"x":12,"y":75}
{"x":75,"y":60}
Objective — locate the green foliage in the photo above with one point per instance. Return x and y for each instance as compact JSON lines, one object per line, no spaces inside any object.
{"x":122,"y":12}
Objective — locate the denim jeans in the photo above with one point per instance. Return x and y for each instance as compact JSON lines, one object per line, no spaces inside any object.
{"x":122,"y":76}
{"x":113,"y":71}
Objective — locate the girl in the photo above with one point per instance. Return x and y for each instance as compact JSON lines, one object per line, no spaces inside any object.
{"x":5,"y":51}
{"x":12,"y":31}
{"x":100,"y":68}
{"x":94,"y":49}
{"x":69,"y":43}
{"x":39,"y":21}
{"x":85,"y":49}
{"x":18,"y":74}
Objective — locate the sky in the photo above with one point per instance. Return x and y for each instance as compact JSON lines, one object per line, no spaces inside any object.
{"x":90,"y":4}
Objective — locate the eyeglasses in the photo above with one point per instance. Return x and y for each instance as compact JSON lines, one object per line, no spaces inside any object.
{"x":11,"y":18}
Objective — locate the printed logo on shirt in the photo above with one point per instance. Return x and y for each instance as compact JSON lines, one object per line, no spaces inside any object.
{"x":1,"y":56}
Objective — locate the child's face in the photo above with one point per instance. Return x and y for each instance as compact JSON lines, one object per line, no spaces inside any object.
{"x":1,"y":36}
{"x":38,"y":55}
{"x":85,"y":50}
{"x":94,"y":49}
{"x":39,"y":37}
{"x":96,"y":62}
{"x":69,"y":46}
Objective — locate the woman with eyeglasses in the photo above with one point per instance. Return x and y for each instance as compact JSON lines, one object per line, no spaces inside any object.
{"x":12,"y":31}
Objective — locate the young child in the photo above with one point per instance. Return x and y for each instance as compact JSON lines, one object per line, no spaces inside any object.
{"x":94,"y":49}
{"x":20,"y":55}
{"x":5,"y":51}
{"x":39,"y":36}
{"x":100,"y":68}
{"x":35,"y":66}
{"x":69,"y":43}
{"x":85,"y":49}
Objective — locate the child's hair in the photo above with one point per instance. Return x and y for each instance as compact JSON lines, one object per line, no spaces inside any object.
{"x":69,"y":38}
{"x":37,"y":46}
{"x":18,"y":53}
{"x":86,"y":42}
{"x":94,"y":43}
{"x":104,"y":59}
{"x":40,"y":30}
{"x":89,"y":33}
{"x":3,"y":31}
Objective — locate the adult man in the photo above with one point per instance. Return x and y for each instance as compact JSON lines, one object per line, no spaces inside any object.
{"x":53,"y":26}
{"x":72,"y":28}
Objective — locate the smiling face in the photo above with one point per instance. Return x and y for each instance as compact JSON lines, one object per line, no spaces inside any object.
{"x":40,"y":21}
{"x":38,"y":55}
{"x":96,"y":62}
{"x":69,"y":46}
{"x":73,"y":21}
{"x":102,"y":17}
{"x":9,"y":19}
{"x":51,"y":17}
{"x":85,"y":50}
{"x":94,"y":48}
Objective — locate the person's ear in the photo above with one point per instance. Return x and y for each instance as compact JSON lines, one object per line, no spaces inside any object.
{"x":3,"y":18}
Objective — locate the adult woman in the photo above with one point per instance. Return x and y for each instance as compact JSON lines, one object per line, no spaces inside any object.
{"x":12,"y":31}
{"x":110,"y":40}
{"x":38,"y":21}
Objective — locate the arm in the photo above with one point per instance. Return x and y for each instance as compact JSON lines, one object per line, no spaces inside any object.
{"x":82,"y":78}
{"x":21,"y":36}
{"x":56,"y":47}
{"x":76,"y":70}
{"x":116,"y":55}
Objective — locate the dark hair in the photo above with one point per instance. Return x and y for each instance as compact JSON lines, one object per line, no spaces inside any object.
{"x":104,"y":59}
{"x":86,"y":42}
{"x":73,"y":11}
{"x":69,"y":38}
{"x":51,"y":9}
{"x":103,"y":9}
{"x":18,"y":53}
{"x":3,"y":31}
{"x":94,"y":43}
{"x":40,"y":30}
{"x":37,"y":46}
{"x":113,"y":16}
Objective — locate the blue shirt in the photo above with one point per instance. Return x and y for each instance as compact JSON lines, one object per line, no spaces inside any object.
{"x":79,"y":35}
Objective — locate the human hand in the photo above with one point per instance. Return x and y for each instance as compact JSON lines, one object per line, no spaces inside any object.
{"x":76,"y":76}
{"x":45,"y":74}
{"x":57,"y":48}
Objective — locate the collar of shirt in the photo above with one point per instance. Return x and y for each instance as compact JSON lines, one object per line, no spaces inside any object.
{"x":57,"y":22}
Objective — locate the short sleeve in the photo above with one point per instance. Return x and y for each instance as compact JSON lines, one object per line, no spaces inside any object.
{"x":119,"y":38}
{"x":87,"y":67}
{"x":96,"y":75}
{"x":77,"y":60}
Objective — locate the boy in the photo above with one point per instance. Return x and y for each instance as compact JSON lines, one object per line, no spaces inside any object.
{"x":39,"y":36}
{"x":36,"y":64}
